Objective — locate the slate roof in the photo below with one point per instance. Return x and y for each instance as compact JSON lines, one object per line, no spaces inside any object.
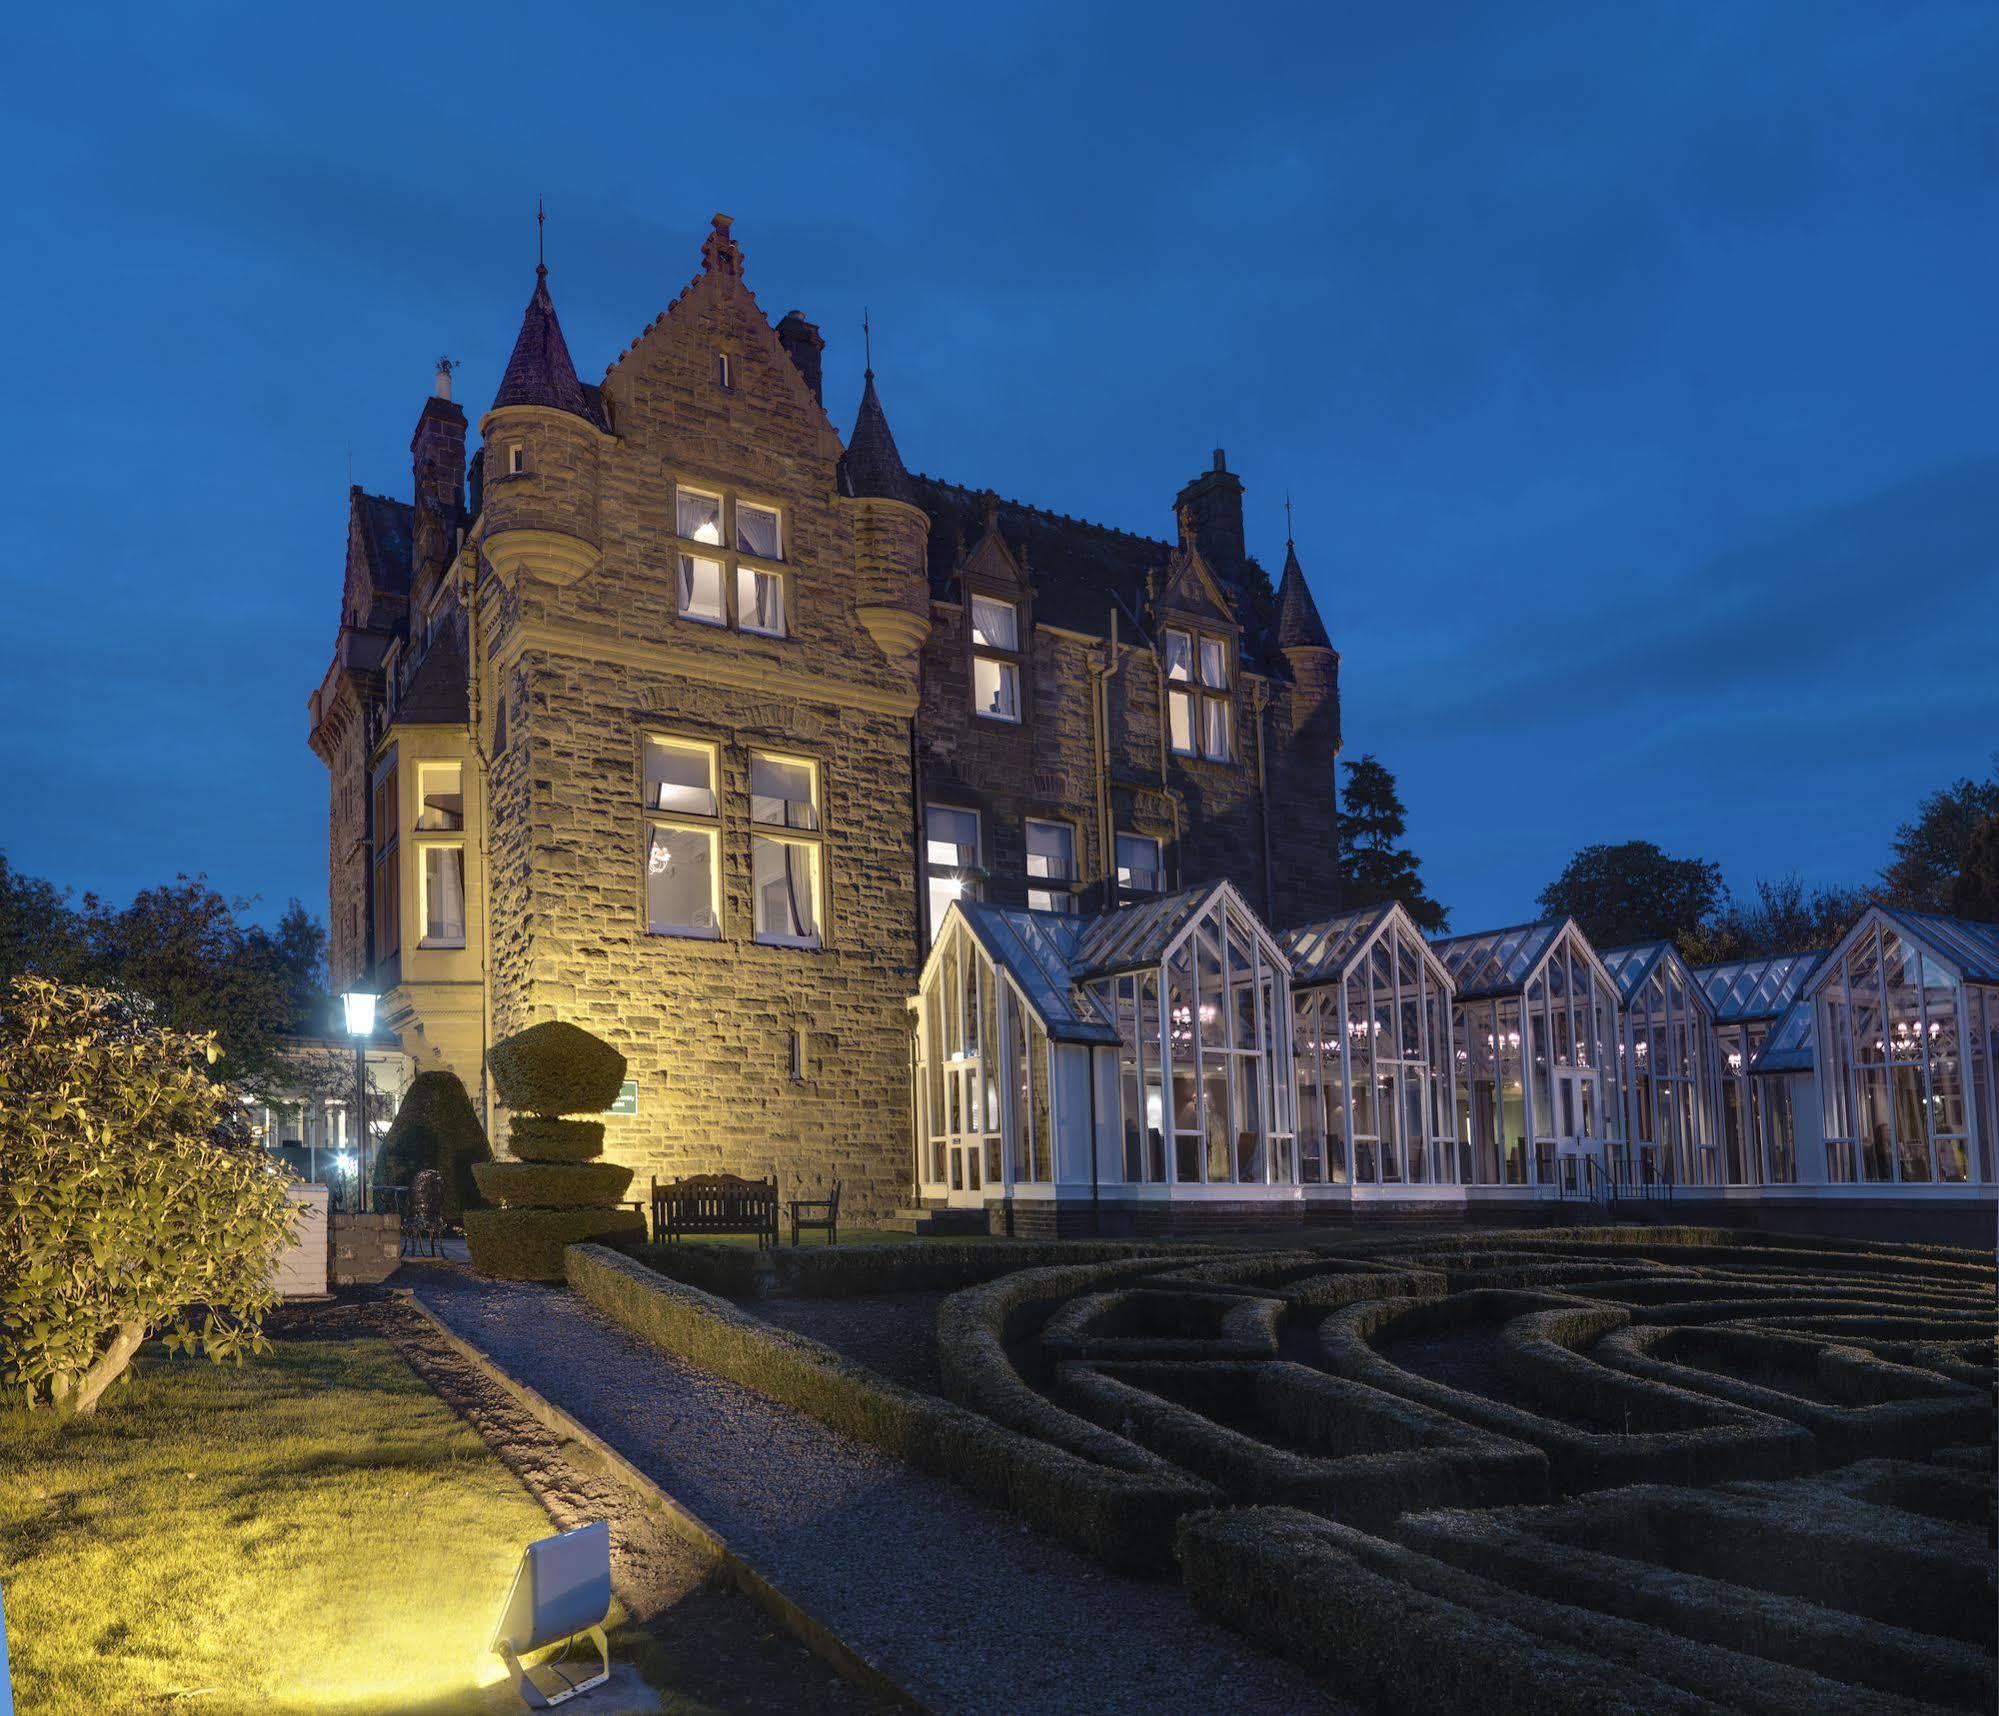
{"x":387,"y":529}
{"x":437,"y":694}
{"x":871,"y":466}
{"x":539,"y":372}
{"x":1298,"y":622}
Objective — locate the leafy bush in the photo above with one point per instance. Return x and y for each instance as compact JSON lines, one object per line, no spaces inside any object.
{"x":436,"y":1127}
{"x":121,"y":1208}
{"x":527,"y":1245}
{"x":541,"y":1138}
{"x":556,"y":1068}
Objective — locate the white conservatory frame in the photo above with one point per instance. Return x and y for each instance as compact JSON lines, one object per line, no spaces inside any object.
{"x":1670,"y":1076}
{"x":1364,"y":983}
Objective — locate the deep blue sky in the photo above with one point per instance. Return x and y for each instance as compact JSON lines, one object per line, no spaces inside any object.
{"x":1632,"y":366}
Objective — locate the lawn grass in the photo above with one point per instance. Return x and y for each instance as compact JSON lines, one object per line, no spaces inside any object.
{"x":315,"y":1531}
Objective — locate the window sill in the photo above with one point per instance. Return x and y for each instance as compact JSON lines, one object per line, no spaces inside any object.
{"x":803,"y":944}
{"x":1001,"y":720}
{"x":703,"y":620}
{"x":760,"y":632}
{"x":684,"y":932}
{"x":429,"y":946}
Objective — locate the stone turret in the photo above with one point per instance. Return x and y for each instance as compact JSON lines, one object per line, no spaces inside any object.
{"x":1304,"y":762}
{"x":891,"y":534}
{"x":542,"y":435}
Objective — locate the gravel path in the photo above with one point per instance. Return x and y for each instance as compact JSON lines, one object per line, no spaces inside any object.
{"x":964,"y":1606}
{"x":893,"y":1334}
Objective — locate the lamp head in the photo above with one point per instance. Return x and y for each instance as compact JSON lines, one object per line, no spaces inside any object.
{"x":360,"y":1009}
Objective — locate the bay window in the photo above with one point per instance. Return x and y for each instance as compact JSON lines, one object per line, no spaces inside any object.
{"x":784,"y":868}
{"x":1051,"y":858}
{"x":995,"y":678}
{"x":441,"y":873}
{"x":682,"y":830}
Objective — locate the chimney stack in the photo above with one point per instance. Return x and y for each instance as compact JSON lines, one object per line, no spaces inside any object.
{"x":437,"y":471}
{"x":802,"y":340}
{"x":1212,"y":504}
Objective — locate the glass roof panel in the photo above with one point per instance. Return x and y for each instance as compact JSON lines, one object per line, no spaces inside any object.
{"x":1789,"y":1046}
{"x":1971,"y":946}
{"x":1756,"y":988}
{"x":1036,"y":950}
{"x":1495,"y":962}
{"x":1319,"y":952}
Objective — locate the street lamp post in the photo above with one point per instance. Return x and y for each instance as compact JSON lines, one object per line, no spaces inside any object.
{"x":360,"y":1009}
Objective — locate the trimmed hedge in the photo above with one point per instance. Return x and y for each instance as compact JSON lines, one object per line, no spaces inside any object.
{"x":436,"y":1127}
{"x":1283,"y":1433}
{"x":527,"y":1245}
{"x":1681,"y":1437}
{"x":1124,"y":1518}
{"x":541,"y":1138}
{"x":556,"y":1068}
{"x":552,"y":1185}
{"x":1306,"y":1281}
{"x":852,"y":1270}
{"x":1780,"y":1629}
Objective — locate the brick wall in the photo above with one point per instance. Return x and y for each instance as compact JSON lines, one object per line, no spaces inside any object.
{"x":362,"y":1250}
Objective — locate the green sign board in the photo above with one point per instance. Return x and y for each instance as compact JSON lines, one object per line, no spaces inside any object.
{"x":628,"y":1098}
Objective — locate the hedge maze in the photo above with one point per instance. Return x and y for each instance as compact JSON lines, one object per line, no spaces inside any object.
{"x":1657,"y":1470}
{"x":1587,"y":1470}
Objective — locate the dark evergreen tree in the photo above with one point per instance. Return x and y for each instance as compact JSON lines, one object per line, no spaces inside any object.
{"x":1634,"y":892}
{"x":1374,"y":867}
{"x":1976,"y":894}
{"x":436,"y":1127}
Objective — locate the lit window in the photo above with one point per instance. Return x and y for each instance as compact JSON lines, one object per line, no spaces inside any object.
{"x":1138,"y":870}
{"x":699,"y":516}
{"x":757,"y":531}
{"x":995,"y":625}
{"x":1198,"y":722}
{"x":443,"y":796}
{"x":950,"y":858}
{"x":995,"y":688}
{"x":701,"y":590}
{"x":1051,"y":857}
{"x":517,"y":458}
{"x":441,"y":865}
{"x":760,"y":601}
{"x":681,"y":836}
{"x":784,"y":872}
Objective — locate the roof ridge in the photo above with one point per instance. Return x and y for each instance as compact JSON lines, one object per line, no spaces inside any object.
{"x":1044,"y":512}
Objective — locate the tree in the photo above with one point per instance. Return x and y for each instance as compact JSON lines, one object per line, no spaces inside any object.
{"x":39,"y":932}
{"x":181,"y":947}
{"x":1373,"y":868}
{"x":436,"y":1127}
{"x":1930,"y":851}
{"x":128,"y":1204}
{"x":1785,"y":918}
{"x":1635,"y":892}
{"x":1976,"y":893}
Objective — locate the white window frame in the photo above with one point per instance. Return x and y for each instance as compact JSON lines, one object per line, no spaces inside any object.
{"x":517,"y":458}
{"x":1202,"y":694}
{"x":1006,"y":662}
{"x":784,"y":837}
{"x":423,"y":841}
{"x":1125,"y":871}
{"x":777,"y":528}
{"x":1058,"y":894}
{"x":725,"y":372}
{"x":935,"y":870}
{"x":683,"y":822}
{"x":735,"y":565}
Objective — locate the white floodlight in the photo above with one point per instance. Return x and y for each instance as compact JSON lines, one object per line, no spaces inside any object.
{"x":561,"y":1593}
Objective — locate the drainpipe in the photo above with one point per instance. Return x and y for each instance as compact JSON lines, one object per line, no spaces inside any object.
{"x":469,"y":594}
{"x":1096,"y":1210}
{"x":1260,"y":696}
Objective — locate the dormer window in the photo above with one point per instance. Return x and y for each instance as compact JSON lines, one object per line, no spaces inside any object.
{"x":995,"y":680}
{"x":517,"y":458}
{"x":1199,"y":720}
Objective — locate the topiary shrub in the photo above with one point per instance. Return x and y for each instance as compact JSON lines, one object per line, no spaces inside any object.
{"x":557,"y":1195}
{"x":556,"y":1068}
{"x":436,"y":1127}
{"x":123,"y":1206}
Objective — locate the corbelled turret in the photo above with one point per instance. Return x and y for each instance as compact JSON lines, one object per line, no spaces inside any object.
{"x":891,"y":533}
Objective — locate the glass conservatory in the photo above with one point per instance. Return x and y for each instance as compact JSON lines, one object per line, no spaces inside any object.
{"x":1144,"y":1051}
{"x":1668,"y":1052}
{"x":1906,"y":1011}
{"x":1535,"y":1033}
{"x":1371,"y":1016}
{"x":1760,"y":1107}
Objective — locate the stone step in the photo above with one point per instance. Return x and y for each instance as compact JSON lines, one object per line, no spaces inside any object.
{"x":944,"y":1221}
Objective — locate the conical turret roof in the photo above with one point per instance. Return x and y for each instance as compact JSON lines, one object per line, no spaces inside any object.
{"x":872,"y":468}
{"x":539,"y":372}
{"x":1298,"y":622}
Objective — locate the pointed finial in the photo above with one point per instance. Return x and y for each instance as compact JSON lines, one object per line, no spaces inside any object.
{"x":867,"y":342}
{"x":1287,"y":519}
{"x":540,"y":260}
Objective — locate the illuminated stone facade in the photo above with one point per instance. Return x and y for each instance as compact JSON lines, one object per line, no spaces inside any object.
{"x":643,"y":733}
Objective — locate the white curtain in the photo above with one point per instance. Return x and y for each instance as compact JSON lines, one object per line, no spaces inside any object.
{"x":756,"y":531}
{"x":444,"y":893}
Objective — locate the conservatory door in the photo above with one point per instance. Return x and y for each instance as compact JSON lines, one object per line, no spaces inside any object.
{"x":1578,"y":1166}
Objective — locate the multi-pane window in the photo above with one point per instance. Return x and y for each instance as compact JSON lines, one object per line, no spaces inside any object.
{"x":784,"y":866}
{"x":950,"y":857}
{"x":719,"y":588}
{"x":388,"y":861}
{"x":995,"y":663}
{"x":1199,"y":718}
{"x":1051,"y":866}
{"x":682,"y":832}
{"x":441,"y":811}
{"x":1138,"y":868}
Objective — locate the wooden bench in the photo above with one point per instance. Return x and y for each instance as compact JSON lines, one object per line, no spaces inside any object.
{"x":817,"y":1212}
{"x":715,"y":1203}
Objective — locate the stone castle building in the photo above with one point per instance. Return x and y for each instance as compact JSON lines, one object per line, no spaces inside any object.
{"x":674,"y":715}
